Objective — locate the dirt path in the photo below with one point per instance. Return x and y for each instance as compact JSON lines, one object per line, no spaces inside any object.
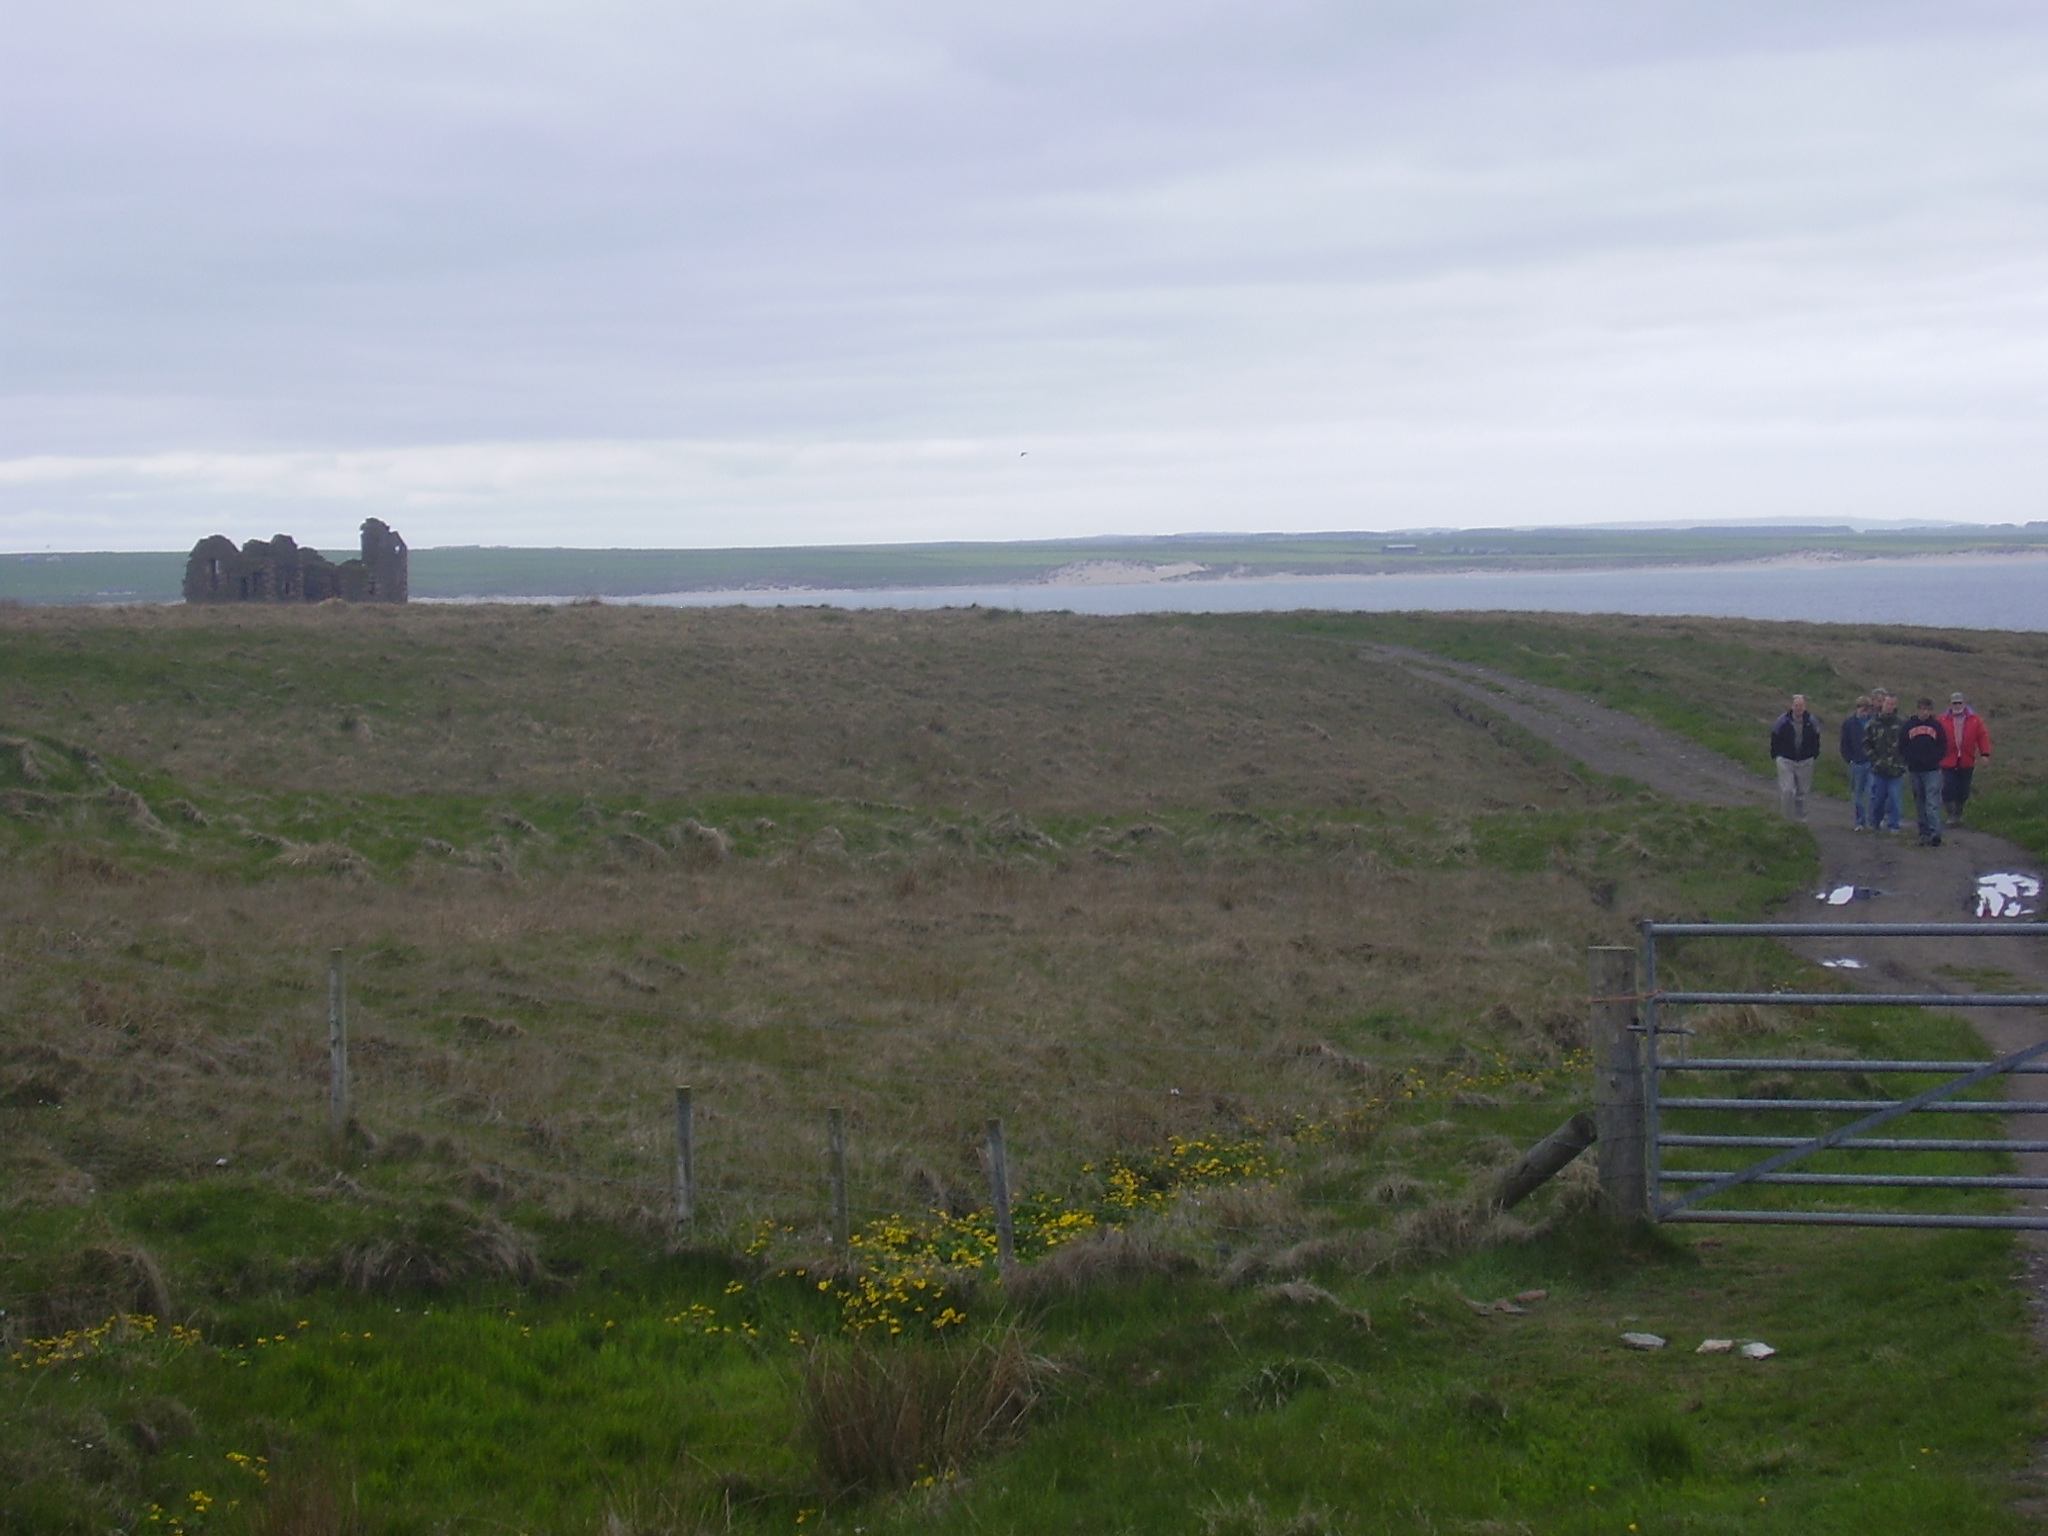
{"x":1605,"y":740}
{"x":1917,"y":884}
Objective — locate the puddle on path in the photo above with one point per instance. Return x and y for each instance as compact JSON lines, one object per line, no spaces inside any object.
{"x":1842,"y":895}
{"x":2007,"y":895}
{"x":1845,"y":964}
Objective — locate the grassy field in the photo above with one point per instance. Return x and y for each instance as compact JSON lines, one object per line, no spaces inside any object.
{"x":80,"y":577}
{"x":1267,"y":958}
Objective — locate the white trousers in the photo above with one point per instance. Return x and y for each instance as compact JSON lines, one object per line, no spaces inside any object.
{"x":1795,"y":778}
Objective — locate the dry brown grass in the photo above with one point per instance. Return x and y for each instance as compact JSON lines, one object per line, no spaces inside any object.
{"x":1042,"y":713}
{"x":539,"y":1028}
{"x":1108,"y":1256}
{"x":1272,"y":901}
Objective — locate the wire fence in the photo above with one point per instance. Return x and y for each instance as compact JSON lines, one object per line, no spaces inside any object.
{"x":996,"y":1068}
{"x":1348,"y":1085}
{"x":800,"y":1064}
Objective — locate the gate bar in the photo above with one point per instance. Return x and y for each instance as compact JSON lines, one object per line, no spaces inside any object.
{"x":1853,"y":1144}
{"x":1846,"y":930}
{"x":1862,"y":1219}
{"x":1967,"y":1107}
{"x":1869,"y":999}
{"x":1884,"y":1180}
{"x":1817,"y":1064}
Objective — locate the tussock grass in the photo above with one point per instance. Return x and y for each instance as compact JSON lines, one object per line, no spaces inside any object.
{"x":93,"y":1282}
{"x":308,"y":1500}
{"x":1250,"y":1517}
{"x":883,"y":1415}
{"x":1109,"y":1256}
{"x":430,"y":1251}
{"x":1272,"y":1386}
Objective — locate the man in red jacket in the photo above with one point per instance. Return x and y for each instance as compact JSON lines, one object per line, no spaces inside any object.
{"x":1968,"y":740}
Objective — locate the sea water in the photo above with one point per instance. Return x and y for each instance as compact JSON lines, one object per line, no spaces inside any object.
{"x":1998,"y":592}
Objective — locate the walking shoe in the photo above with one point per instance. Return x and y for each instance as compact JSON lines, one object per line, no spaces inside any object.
{"x":1861,"y":828}
{"x":1934,"y":841}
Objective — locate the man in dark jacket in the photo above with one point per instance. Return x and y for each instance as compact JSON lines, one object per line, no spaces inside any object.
{"x":1795,"y":747}
{"x":1887,"y":767}
{"x":1858,"y":761}
{"x":1923,"y":743}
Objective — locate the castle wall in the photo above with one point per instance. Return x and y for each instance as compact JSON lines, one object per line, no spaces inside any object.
{"x":278,"y":570}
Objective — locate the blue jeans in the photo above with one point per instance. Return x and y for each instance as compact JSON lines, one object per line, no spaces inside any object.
{"x":1859,"y":792}
{"x":1887,"y":801}
{"x":1927,"y":801}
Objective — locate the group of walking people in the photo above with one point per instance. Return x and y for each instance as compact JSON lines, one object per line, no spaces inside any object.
{"x":1935,"y":754}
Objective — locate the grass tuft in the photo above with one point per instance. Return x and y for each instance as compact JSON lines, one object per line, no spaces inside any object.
{"x":1444,"y":1229}
{"x":307,"y":1502}
{"x":432,"y":1250}
{"x":1664,"y":1448}
{"x":1249,"y":1517}
{"x":325,"y":858}
{"x":1270,"y":1387}
{"x":1109,"y":1255}
{"x":885,"y":1415}
{"x":97,"y":1281}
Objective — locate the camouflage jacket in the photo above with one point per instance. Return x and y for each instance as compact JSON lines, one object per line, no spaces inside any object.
{"x":1881,"y":739}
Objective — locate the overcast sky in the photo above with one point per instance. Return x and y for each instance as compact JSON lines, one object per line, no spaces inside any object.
{"x":770,"y":272}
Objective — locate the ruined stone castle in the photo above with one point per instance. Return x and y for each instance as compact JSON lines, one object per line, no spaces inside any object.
{"x":279,"y":571}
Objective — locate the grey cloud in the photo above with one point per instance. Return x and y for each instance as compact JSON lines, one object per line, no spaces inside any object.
{"x":1425,"y":234}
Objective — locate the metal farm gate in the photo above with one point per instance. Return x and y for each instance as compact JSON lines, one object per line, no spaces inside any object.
{"x":1633,"y":1026}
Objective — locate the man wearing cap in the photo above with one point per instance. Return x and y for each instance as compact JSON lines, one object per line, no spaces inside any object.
{"x":1923,"y":743}
{"x":1968,"y":740}
{"x":1795,"y":747}
{"x":1887,"y":766}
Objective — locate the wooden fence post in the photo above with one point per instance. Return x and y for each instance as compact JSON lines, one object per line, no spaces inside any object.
{"x":999,"y":1187}
{"x":842,"y":1213}
{"x":1618,"y":1095}
{"x":686,"y":1157}
{"x":340,"y":1107}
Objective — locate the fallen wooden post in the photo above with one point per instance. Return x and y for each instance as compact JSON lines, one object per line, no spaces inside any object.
{"x":1545,"y":1161}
